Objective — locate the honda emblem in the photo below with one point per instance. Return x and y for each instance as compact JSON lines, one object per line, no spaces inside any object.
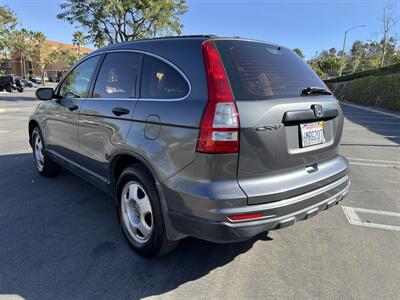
{"x":317,"y":110}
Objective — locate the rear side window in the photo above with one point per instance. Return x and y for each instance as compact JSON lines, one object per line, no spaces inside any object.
{"x":161,"y":81}
{"x":259,"y":71}
{"x":117,"y":76}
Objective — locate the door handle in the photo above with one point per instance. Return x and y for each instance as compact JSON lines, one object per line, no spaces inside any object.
{"x":72,"y":107}
{"x":119,"y":111}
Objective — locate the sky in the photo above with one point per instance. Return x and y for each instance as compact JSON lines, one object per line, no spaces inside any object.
{"x":311,"y":25}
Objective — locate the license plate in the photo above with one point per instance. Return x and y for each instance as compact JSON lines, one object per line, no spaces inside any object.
{"x":312,"y":134}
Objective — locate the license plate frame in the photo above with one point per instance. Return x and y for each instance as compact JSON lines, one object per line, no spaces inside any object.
{"x":312,"y":134}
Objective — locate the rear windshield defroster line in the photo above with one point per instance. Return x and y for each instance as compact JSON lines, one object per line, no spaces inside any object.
{"x":259,"y":71}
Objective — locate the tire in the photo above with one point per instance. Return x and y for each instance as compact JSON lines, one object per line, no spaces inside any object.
{"x":20,"y":90}
{"x":44,"y":165}
{"x":139,"y":209}
{"x":9,"y":88}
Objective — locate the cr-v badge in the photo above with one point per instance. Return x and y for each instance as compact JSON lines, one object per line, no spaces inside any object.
{"x":269,"y":127}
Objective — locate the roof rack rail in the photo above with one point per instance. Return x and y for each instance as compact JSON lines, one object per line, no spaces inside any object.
{"x":178,"y":37}
{"x":194,"y":35}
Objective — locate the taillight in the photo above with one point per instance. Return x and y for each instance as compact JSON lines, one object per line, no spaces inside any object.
{"x":219,"y":127}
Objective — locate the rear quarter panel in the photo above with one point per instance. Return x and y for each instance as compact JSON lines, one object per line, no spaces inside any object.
{"x":174,"y":147}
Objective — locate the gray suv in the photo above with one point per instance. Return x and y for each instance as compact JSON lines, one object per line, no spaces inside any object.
{"x":216,"y":138}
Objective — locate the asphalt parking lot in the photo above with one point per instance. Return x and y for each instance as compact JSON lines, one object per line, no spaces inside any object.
{"x":59,"y":238}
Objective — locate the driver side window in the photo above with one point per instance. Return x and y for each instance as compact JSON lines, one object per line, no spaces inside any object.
{"x":76,"y":84}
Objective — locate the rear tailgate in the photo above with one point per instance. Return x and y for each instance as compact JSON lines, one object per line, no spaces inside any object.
{"x":280,"y":157}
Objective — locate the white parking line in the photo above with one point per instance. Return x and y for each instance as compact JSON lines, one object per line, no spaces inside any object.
{"x":363,"y":128}
{"x":378,"y":122}
{"x":13,"y":117}
{"x":374,"y":160}
{"x":372,"y":165}
{"x":377,"y":212}
{"x":354,"y":219}
{"x":378,"y":140}
{"x":368,"y":115}
{"x":4,"y":131}
{"x":368,"y":141}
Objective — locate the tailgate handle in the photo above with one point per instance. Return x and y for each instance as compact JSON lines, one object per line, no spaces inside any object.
{"x":311,"y":169}
{"x":308,"y":115}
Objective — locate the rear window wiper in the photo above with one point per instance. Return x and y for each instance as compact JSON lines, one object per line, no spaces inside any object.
{"x":314,"y":90}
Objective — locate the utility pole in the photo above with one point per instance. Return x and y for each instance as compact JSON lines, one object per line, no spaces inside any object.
{"x":344,"y":45}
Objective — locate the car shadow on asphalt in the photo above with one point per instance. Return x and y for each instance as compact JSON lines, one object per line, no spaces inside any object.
{"x":60,"y":239}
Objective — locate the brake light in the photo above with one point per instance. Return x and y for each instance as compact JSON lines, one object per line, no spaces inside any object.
{"x":219,"y":127}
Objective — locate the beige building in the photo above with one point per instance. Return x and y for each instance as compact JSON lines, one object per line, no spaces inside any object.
{"x":14,"y":65}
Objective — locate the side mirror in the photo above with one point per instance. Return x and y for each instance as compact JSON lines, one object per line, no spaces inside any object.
{"x":45,"y":93}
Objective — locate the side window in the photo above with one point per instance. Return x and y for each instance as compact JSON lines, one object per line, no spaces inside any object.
{"x":76,"y":84}
{"x":161,"y":81}
{"x":117,"y":76}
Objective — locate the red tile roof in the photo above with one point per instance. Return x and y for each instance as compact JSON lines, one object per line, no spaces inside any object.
{"x":58,"y":44}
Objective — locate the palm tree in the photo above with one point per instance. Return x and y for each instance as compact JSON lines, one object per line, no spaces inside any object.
{"x":78,"y":39}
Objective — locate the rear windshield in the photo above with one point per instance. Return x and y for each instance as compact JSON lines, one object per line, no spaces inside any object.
{"x":260,"y":71}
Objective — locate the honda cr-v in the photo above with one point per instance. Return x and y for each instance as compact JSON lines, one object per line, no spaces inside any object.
{"x":216,"y":138}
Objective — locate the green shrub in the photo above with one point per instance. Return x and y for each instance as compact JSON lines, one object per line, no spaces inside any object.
{"x":390,"y":69}
{"x":378,"y":91}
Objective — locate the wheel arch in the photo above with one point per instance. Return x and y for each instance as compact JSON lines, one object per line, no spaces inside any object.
{"x":123,"y":159}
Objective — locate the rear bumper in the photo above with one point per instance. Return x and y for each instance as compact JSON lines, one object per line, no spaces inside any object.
{"x":276,"y":215}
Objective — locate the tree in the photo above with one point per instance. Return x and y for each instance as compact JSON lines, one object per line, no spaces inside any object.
{"x":357,"y":53}
{"x":341,"y":53}
{"x":20,"y":44}
{"x":8,"y":23}
{"x":389,"y":21}
{"x":66,"y":55}
{"x":332,"y":52}
{"x":299,"y":53}
{"x":330,"y":65}
{"x":78,"y":39}
{"x":99,"y":39}
{"x":372,"y":56}
{"x":42,"y":53}
{"x":390,"y":50}
{"x":315,"y":67}
{"x":114,"y":21}
{"x":323,"y":54}
{"x":8,"y":20}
